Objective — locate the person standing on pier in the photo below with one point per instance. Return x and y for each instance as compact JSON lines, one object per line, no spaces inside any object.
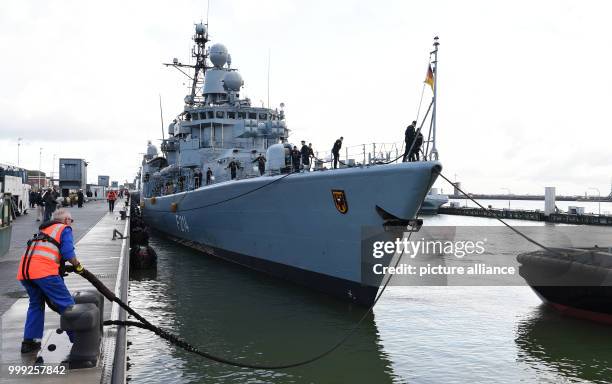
{"x":336,"y":151}
{"x":409,"y":136}
{"x":50,"y":201}
{"x":39,"y":273}
{"x":80,"y":198}
{"x":111,"y":197}
{"x":40,"y":206}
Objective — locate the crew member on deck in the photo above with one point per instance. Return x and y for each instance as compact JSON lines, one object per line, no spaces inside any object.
{"x":305,"y":152}
{"x":295,"y":159}
{"x":209,"y":176}
{"x":261,"y":163}
{"x":336,"y":151}
{"x":414,"y":155}
{"x":233,"y":167}
{"x":408,"y":139}
{"x":39,"y":273}
{"x":198,"y":179}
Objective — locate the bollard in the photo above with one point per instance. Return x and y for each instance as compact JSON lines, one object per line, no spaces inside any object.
{"x":94,"y":297}
{"x":84,"y":319}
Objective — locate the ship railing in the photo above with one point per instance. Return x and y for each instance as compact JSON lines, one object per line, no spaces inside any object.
{"x":369,"y":154}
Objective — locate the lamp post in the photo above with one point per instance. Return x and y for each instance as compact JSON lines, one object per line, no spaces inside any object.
{"x":509,"y":193}
{"x":599,"y":200}
{"x":53,"y":169}
{"x":18,"y":147}
{"x":39,"y":167}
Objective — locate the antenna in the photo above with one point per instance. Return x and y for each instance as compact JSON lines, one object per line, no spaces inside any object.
{"x":269,"y":54}
{"x":161,"y":116}
{"x":207,"y":11}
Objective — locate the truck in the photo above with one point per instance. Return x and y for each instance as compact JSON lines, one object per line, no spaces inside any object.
{"x":13,"y":181}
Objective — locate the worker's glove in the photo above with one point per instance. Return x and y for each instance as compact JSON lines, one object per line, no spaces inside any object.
{"x":79,"y":269}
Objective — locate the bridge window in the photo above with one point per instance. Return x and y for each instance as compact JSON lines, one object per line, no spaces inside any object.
{"x":220,"y":114}
{"x":231,"y":115}
{"x":211,"y":115}
{"x":242,"y":115}
{"x":263,"y":116}
{"x":202,"y":115}
{"x":252,"y":115}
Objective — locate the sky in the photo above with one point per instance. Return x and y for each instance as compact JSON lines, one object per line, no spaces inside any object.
{"x":524,"y":87}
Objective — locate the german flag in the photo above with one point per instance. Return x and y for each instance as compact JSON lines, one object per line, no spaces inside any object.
{"x":430,"y":77}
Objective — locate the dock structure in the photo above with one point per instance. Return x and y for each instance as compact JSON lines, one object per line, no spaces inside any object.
{"x":518,"y":214}
{"x":106,"y":258}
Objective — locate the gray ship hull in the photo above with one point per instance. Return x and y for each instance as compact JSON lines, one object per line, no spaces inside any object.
{"x":291,"y":228}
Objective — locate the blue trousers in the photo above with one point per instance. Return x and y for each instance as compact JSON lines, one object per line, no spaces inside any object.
{"x":51,"y":288}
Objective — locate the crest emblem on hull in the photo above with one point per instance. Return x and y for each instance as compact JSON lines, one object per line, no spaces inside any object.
{"x":340,"y":200}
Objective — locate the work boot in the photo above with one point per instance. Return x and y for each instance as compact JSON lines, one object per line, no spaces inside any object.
{"x":29,"y":346}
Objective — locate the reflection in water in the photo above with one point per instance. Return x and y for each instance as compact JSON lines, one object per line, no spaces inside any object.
{"x":237,"y":313}
{"x":574,"y":348}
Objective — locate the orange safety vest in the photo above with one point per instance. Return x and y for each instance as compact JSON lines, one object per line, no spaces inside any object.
{"x":42,"y":257}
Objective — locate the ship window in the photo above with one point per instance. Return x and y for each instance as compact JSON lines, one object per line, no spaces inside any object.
{"x":252,"y":115}
{"x":241,"y":115}
{"x":211,"y":115}
{"x":231,"y":115}
{"x":202,"y":115}
{"x":220,"y":114}
{"x":263,"y":116}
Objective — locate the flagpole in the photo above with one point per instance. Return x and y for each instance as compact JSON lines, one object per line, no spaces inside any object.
{"x":434,"y":150}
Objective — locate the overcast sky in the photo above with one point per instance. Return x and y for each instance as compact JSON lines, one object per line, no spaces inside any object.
{"x":525,"y":87}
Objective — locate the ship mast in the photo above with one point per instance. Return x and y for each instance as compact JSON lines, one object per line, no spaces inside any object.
{"x":199,"y":53}
{"x":434,"y":150}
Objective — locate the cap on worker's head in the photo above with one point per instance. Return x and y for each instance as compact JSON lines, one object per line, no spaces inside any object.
{"x":294,"y":147}
{"x":341,"y":138}
{"x":309,"y":143}
{"x":414,"y":122}
{"x":304,"y":141}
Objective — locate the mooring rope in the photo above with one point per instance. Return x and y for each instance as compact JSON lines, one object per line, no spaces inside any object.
{"x":145,"y":324}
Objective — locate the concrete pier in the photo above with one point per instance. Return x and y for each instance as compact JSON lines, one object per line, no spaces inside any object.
{"x":106,"y":258}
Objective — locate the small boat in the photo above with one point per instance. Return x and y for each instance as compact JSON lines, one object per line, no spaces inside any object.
{"x":577,"y":282}
{"x":433,"y":201}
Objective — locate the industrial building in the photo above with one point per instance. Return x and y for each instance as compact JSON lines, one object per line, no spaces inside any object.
{"x":72,"y":175}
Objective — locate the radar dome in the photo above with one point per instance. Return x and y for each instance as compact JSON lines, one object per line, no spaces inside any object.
{"x":200,"y":29}
{"x":218,"y":55}
{"x":232,"y":81}
{"x":151,"y":150}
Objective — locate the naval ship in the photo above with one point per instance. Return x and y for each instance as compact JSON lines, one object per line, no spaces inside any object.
{"x":303,"y":226}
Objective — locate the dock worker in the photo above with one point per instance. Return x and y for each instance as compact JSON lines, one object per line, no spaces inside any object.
{"x":111,"y":196}
{"x":418,"y":141}
{"x":233,"y":167}
{"x":209,"y":176}
{"x":295,"y":159}
{"x":336,"y":151}
{"x":305,"y":151}
{"x":409,"y":135}
{"x":261,"y":164}
{"x":39,"y":273}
